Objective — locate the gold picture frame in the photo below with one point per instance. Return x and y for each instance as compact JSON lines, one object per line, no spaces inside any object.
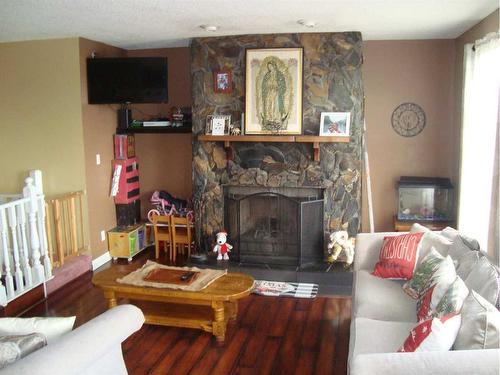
{"x":273,"y":102}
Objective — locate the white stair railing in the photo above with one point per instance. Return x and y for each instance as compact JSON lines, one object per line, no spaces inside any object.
{"x":24,"y":260}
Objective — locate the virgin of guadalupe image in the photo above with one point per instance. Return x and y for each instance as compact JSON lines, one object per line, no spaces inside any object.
{"x":274,"y":94}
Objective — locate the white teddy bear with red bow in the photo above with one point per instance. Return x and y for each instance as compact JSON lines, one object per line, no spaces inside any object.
{"x":221,"y":247}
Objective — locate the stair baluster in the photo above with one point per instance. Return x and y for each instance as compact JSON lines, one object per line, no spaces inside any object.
{"x":18,"y":274}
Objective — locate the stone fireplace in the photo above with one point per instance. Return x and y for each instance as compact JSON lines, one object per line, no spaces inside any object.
{"x":332,"y":82}
{"x":275,"y":226}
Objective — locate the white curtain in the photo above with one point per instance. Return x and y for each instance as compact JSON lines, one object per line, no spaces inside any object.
{"x":478,"y":200}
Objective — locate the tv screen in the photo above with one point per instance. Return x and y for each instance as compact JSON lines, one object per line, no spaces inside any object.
{"x":127,"y":80}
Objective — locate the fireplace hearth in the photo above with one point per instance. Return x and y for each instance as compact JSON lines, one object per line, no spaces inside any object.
{"x":275,"y":226}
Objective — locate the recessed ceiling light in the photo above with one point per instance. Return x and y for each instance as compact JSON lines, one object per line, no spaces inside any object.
{"x":211,"y":28}
{"x":306,"y":23}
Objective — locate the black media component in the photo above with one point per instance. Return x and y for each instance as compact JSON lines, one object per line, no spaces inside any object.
{"x":127,"y":80}
{"x":124,"y":118}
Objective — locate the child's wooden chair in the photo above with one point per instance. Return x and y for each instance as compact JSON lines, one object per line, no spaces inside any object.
{"x":181,"y":233}
{"x":163,"y":232}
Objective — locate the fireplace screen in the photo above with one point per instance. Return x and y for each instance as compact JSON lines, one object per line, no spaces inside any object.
{"x":275,"y":226}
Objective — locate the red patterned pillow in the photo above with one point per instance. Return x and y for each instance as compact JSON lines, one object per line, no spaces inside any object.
{"x":441,"y":280}
{"x":433,"y":335}
{"x":398,"y":256}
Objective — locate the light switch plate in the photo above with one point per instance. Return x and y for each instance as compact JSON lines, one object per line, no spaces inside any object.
{"x":98,"y":159}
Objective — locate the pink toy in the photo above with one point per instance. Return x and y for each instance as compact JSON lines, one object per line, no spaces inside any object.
{"x":165,"y":207}
{"x":222,"y":248}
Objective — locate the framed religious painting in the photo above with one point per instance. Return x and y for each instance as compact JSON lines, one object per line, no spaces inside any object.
{"x":273,"y":91}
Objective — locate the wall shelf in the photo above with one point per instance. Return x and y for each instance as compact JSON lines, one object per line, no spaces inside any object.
{"x":154,"y":130}
{"x":315,"y":140}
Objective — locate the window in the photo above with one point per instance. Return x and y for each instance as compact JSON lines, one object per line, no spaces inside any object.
{"x":478,"y":200}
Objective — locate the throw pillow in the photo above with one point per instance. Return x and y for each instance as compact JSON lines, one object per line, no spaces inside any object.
{"x":436,"y":334}
{"x":422,"y":276}
{"x":466,"y":262}
{"x":459,"y":249}
{"x":416,"y":228}
{"x":398,"y":256}
{"x":484,"y":279}
{"x":51,"y":328}
{"x":452,"y":234}
{"x":480,"y":328}
{"x":452,"y":300}
{"x":435,"y":240}
{"x":441,"y":280}
{"x":13,"y":348}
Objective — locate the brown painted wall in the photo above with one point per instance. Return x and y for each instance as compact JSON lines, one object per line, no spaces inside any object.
{"x":395,"y":72}
{"x":99,"y":125}
{"x":165,"y":159}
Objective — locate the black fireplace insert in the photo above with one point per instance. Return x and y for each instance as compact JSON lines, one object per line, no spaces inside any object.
{"x":275,"y":226}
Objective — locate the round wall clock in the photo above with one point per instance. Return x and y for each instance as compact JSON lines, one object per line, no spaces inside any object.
{"x":408,"y":119}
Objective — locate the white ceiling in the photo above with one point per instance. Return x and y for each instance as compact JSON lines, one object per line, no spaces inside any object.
{"x":136,"y":24}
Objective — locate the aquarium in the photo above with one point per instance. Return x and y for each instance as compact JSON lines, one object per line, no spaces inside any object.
{"x":425,"y":199}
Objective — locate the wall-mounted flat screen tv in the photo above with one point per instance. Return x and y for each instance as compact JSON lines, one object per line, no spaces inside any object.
{"x":127,"y":80}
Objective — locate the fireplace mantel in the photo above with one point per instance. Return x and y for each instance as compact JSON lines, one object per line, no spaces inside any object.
{"x":315,"y":140}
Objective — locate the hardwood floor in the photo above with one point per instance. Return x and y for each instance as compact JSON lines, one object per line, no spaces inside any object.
{"x":270,"y":336}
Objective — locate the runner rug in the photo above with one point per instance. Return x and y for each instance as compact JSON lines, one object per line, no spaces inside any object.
{"x":285,"y":289}
{"x":160,"y":276}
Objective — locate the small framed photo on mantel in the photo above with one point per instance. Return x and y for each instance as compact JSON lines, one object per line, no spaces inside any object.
{"x":218,"y":124}
{"x":335,"y":124}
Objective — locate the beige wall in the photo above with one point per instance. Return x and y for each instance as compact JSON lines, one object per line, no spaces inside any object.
{"x":99,"y":125}
{"x":165,"y":159}
{"x":395,"y":72}
{"x":40,"y":115}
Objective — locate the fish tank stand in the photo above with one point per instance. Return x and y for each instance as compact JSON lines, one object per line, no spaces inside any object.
{"x":404,"y":226}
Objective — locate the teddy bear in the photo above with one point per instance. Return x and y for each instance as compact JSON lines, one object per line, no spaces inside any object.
{"x":221,"y":247}
{"x":340,"y":241}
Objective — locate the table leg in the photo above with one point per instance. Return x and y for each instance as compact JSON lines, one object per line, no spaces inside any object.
{"x":219,"y":324}
{"x":232,"y":309}
{"x":110,"y":296}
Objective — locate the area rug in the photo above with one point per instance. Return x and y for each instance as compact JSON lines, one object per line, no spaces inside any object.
{"x":285,"y":289}
{"x":139,"y":277}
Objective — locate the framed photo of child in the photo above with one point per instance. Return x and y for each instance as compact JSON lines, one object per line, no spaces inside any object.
{"x":335,"y":124}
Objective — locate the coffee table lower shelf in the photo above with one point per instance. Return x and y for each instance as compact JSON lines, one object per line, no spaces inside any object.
{"x":201,"y":317}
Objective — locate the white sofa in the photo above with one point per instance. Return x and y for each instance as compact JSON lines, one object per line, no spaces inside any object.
{"x":382,"y":317}
{"x":93,"y":348}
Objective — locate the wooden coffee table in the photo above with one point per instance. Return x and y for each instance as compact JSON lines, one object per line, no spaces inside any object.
{"x":209,"y":309}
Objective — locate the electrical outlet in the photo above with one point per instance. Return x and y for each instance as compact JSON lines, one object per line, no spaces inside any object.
{"x":98,"y":159}
{"x":103,"y":235}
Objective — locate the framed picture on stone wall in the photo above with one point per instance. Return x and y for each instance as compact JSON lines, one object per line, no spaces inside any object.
{"x":223,"y":82}
{"x":273,"y":91}
{"x":335,"y":124}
